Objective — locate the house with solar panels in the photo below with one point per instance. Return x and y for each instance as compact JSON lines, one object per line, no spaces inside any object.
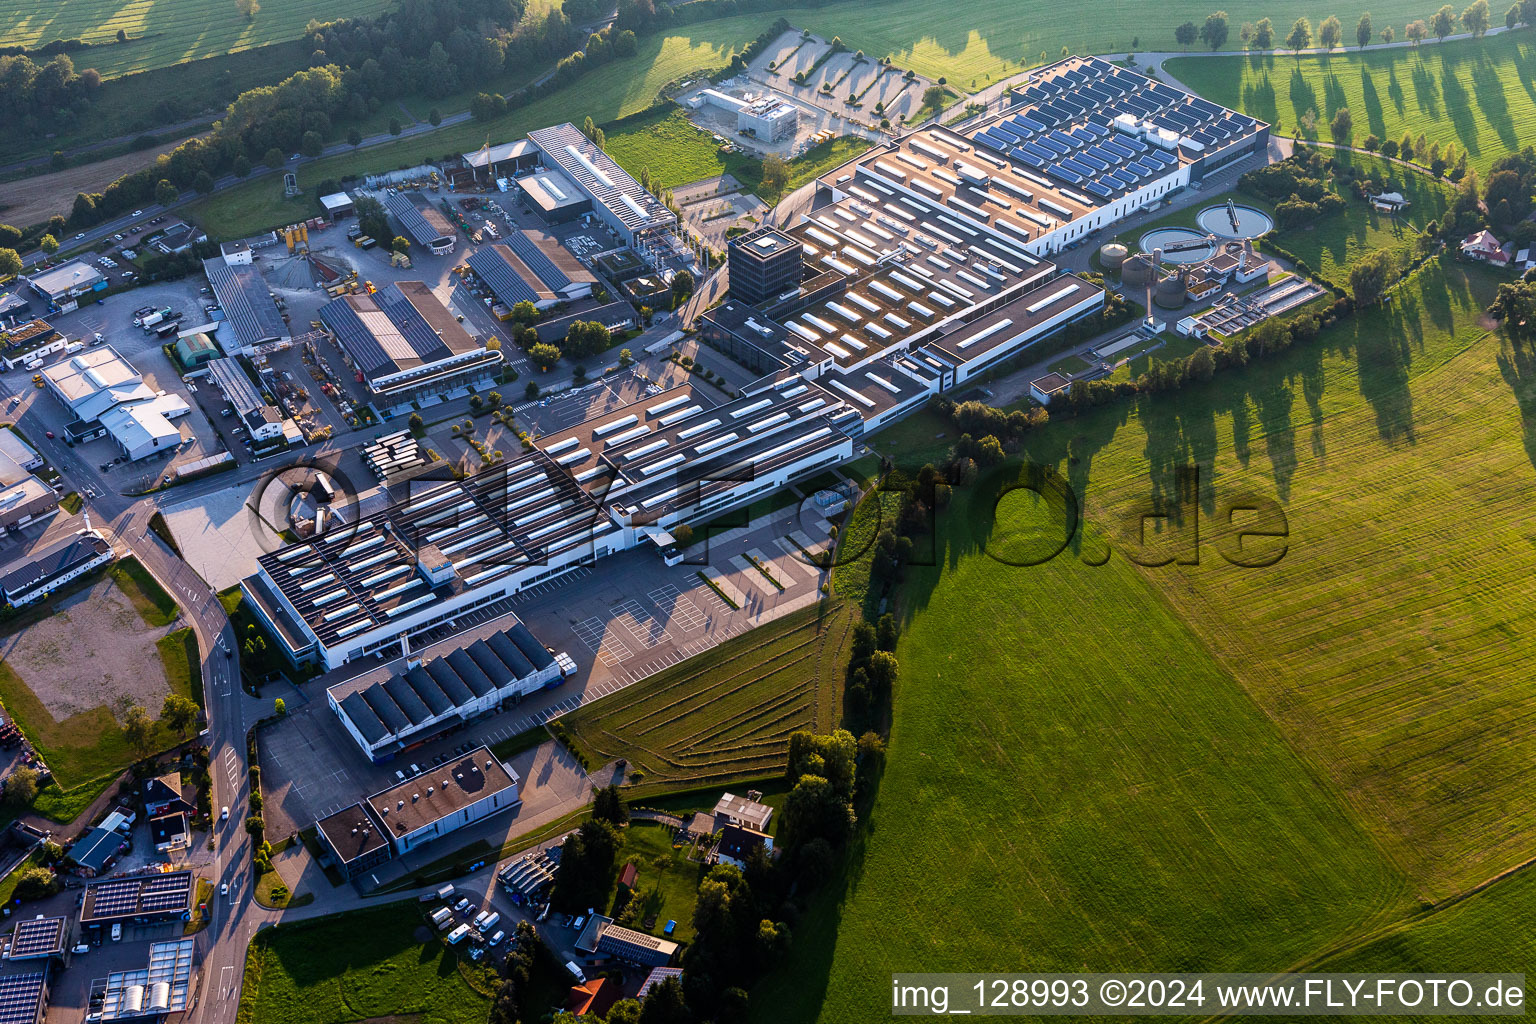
{"x":251,"y":317}
{"x":408,"y":345}
{"x":423,"y":223}
{"x":531,"y":266}
{"x":401,"y":710}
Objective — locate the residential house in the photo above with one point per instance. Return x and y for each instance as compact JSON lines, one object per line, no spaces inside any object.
{"x":737,"y":844}
{"x":746,"y":811}
{"x":1485,"y":248}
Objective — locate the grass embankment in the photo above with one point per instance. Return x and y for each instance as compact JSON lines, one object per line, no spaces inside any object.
{"x":1472,"y":93}
{"x":183,"y":663}
{"x":725,"y":714}
{"x":363,"y":965}
{"x":1227,"y":767}
{"x":154,"y":605}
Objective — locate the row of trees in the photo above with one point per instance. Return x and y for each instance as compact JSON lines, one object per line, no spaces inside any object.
{"x":1476,"y":19}
{"x":44,"y":98}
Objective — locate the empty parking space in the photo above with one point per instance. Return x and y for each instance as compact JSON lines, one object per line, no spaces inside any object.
{"x":610,"y":650}
{"x":631,"y":614}
{"x":682,"y":614}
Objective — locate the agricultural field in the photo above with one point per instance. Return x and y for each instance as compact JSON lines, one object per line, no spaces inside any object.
{"x":726,"y":714}
{"x":1352,"y":721}
{"x":1470,"y":93}
{"x":1074,"y":783}
{"x":162,"y":32}
{"x":1493,"y":930}
{"x":382,"y":963}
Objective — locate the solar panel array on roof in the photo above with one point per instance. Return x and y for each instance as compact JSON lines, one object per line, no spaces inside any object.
{"x":538,"y":261}
{"x":497,"y":273}
{"x":143,"y":895}
{"x":37,"y":936}
{"x":420,"y":696}
{"x":247,"y":303}
{"x":21,"y":997}
{"x":424,"y":230}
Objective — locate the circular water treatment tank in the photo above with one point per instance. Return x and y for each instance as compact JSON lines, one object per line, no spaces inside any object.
{"x":1178,"y":245}
{"x":1235,"y":221}
{"x":1169,"y":293}
{"x":1136,"y":271}
{"x":1112,"y":255}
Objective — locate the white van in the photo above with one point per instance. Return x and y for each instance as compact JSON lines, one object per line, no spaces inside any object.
{"x":117,"y":932}
{"x":575,"y":970}
{"x":486,"y":921}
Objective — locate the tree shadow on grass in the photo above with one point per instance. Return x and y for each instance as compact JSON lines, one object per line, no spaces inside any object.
{"x":1458,"y":106}
{"x":1303,"y":95}
{"x":1426,"y":92}
{"x":1375,"y":118}
{"x":1395,"y":91}
{"x":1517,"y":365}
{"x":1488,"y":87}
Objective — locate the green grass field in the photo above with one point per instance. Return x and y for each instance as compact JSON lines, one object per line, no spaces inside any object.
{"x":162,"y":32}
{"x":667,"y":884}
{"x":1493,"y":930}
{"x":1353,"y":724}
{"x":969,"y":42}
{"x":677,"y":152}
{"x":1475,"y":94}
{"x":726,"y":714}
{"x":357,"y":966}
{"x":1073,"y":783}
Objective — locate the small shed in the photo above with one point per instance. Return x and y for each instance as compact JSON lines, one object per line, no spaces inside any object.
{"x":196,"y":349}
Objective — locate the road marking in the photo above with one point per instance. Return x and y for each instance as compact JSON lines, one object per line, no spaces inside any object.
{"x":226,"y":981}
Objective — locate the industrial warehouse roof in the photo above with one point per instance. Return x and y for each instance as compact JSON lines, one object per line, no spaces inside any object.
{"x":21,"y":997}
{"x":425,"y":693}
{"x":597,"y":174}
{"x":517,"y":514}
{"x":37,"y":937}
{"x":552,"y":191}
{"x":398,"y":328}
{"x":74,"y":275}
{"x":352,"y":832}
{"x":1082,"y":134}
{"x":909,"y":267}
{"x":155,"y":990}
{"x":497,"y":154}
{"x":93,"y":381}
{"x":117,"y":899}
{"x":507,"y":276}
{"x":553,"y":264}
{"x":247,"y":303}
{"x":52,"y":562}
{"x":422,"y":221}
{"x":579,"y":449}
{"x":705,"y":459}
{"x":441,"y":791}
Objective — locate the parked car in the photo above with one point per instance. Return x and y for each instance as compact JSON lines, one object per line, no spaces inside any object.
{"x":461,"y":907}
{"x":224,"y":814}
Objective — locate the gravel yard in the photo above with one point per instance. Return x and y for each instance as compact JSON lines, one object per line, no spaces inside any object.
{"x":94,"y":650}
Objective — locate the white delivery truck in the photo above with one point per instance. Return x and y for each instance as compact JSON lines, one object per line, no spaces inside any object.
{"x":485,"y":921}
